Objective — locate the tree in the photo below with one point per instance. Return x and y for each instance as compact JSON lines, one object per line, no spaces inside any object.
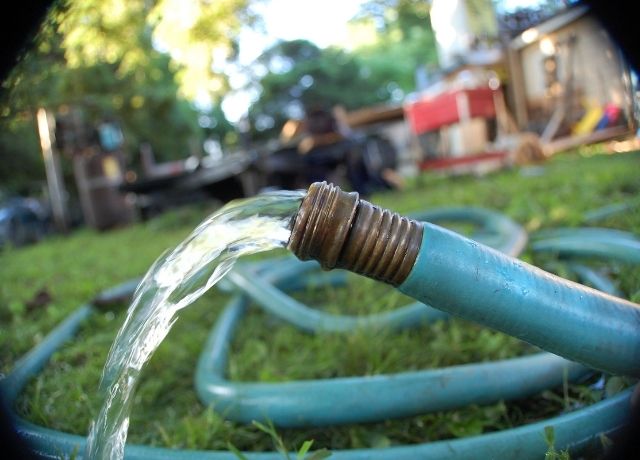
{"x":299,"y":75}
{"x":404,"y":16}
{"x":192,"y":32}
{"x":122,"y":60}
{"x":20,"y":163}
{"x":405,"y":41}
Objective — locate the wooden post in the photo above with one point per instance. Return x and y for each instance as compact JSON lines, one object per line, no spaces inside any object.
{"x":517,"y":86}
{"x":55,"y":182}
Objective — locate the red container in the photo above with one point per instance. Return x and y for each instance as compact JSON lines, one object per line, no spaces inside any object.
{"x":451,"y":107}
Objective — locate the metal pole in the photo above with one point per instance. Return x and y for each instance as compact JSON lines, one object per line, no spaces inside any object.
{"x":55,"y":183}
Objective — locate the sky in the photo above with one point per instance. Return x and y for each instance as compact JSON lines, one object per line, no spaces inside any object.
{"x":323,"y":22}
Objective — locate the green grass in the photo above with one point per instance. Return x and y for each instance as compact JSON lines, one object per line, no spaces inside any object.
{"x":166,"y":411}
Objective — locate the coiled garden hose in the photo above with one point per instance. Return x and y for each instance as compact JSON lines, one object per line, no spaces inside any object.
{"x":575,"y":430}
{"x":470,"y":280}
{"x":357,"y":399}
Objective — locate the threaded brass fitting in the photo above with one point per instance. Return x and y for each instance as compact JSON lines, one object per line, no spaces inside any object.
{"x":339,"y":230}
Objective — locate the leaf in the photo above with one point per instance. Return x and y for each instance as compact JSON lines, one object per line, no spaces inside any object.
{"x":304,"y":449}
{"x":265,"y":429}
{"x":378,"y":441}
{"x":549,"y":436}
{"x":615,"y":385}
{"x":277,"y":440}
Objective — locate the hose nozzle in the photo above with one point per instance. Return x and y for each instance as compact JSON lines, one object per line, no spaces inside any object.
{"x":340,"y":230}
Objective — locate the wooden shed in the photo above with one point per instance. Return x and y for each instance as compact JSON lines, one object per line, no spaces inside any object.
{"x":565,"y":74}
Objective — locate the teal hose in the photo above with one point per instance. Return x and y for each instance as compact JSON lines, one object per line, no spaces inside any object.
{"x":32,"y":363}
{"x":492,"y":228}
{"x":610,"y":210}
{"x":598,"y":243}
{"x":594,"y":279}
{"x":287,"y":404}
{"x":357,"y":399}
{"x":276,"y":302}
{"x":575,"y":431}
{"x":470,"y":280}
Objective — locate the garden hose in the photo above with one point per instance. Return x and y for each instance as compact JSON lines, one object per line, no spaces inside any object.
{"x":357,"y":399}
{"x":575,"y":430}
{"x":576,"y":322}
{"x":463,"y":277}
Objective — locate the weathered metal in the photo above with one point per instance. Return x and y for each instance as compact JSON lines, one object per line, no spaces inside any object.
{"x":340,"y":230}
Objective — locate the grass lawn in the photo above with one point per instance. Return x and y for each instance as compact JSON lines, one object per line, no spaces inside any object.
{"x":166,"y":410}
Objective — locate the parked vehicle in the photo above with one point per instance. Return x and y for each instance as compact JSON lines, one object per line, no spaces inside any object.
{"x":22,"y":221}
{"x":321,"y":151}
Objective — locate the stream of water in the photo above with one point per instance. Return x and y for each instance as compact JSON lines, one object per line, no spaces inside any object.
{"x":174,"y":281}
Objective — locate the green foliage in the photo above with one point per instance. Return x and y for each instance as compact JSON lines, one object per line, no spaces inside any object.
{"x":120,"y":32}
{"x":281,"y":447}
{"x":166,"y":410}
{"x":20,"y":161}
{"x":97,"y":59}
{"x":405,"y":41}
{"x":552,"y":453}
{"x":302,"y":76}
{"x":402,"y":15}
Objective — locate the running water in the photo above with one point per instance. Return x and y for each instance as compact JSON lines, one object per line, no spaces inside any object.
{"x":175,"y":280}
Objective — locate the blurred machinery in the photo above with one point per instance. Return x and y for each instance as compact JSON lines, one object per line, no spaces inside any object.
{"x":324,"y":146}
{"x":169,"y":184}
{"x":98,"y":167}
{"x":110,"y":193}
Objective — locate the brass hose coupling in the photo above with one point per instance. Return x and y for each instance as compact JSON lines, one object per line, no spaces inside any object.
{"x":340,"y":230}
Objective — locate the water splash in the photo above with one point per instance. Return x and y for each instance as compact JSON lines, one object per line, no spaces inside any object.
{"x":175,"y":280}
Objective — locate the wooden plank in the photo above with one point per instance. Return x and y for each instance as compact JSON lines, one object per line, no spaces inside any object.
{"x":371,"y":115}
{"x":570,"y":142}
